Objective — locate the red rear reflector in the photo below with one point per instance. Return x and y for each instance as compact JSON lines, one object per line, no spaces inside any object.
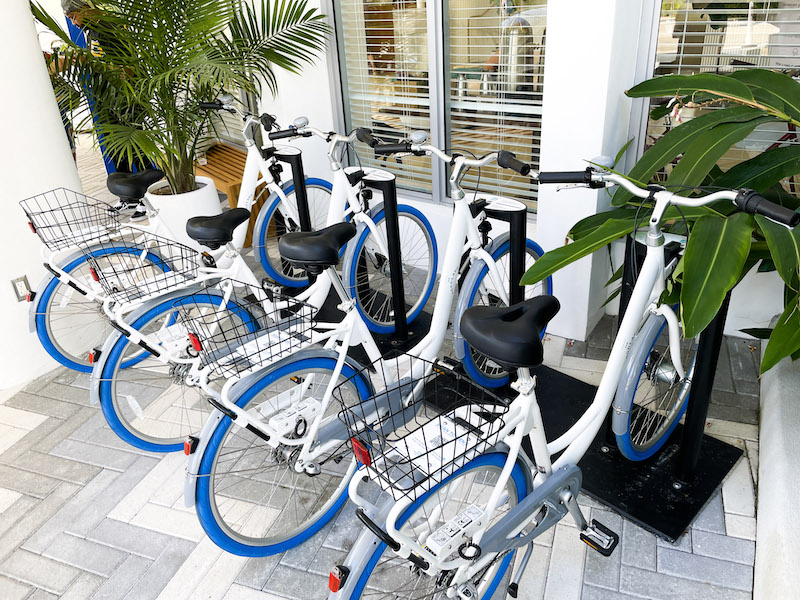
{"x":29,"y":296}
{"x":91,"y":358}
{"x":33,"y":228}
{"x":361,"y":451}
{"x":187,"y":447}
{"x":337,"y":578}
{"x":195,"y":342}
{"x":94,"y":274}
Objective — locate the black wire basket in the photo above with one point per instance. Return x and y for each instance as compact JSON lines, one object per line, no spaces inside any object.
{"x":64,"y":219}
{"x":418,"y":431}
{"x":152,"y":266}
{"x":250,"y":330}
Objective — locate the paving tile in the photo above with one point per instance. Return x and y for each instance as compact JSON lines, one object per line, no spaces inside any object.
{"x":743,"y":431}
{"x":583,"y":364}
{"x":108,"y":458}
{"x":171,"y":521}
{"x":38,"y":571}
{"x":35,"y":518}
{"x":64,"y":429}
{"x":123,"y":579}
{"x":565,"y":572}
{"x":31,"y":442}
{"x":256,"y":571}
{"x":740,"y":527}
{"x":723,"y":378}
{"x":85,"y":555}
{"x":220,"y":576}
{"x":111,"y":497}
{"x":13,"y":590}
{"x":752,"y":388}
{"x":658,"y":586}
{"x":10,"y":436}
{"x":600,"y":570}
{"x":54,"y":466}
{"x":38,"y":383}
{"x":575,"y":348}
{"x":344,"y":530}
{"x":105,"y":436}
{"x":732,"y":413}
{"x":534,"y":578}
{"x":68,"y":377}
{"x":83,"y":587}
{"x":724,"y":547}
{"x":638,"y":547}
{"x":161,"y":571}
{"x":191,"y":572}
{"x":744,"y":359}
{"x":590,"y":377}
{"x":19,"y":509}
{"x":149,"y":485}
{"x":737,"y":400}
{"x":65,"y":393}
{"x":711,"y":518}
{"x":90,"y":427}
{"x":130,"y":538}
{"x":42,"y":595}
{"x":22,"y":419}
{"x":752,"y":457}
{"x":701,"y":568}
{"x":7,"y":393}
{"x":70,"y":511}
{"x":595,"y":353}
{"x":738,"y":496}
{"x":291,"y":583}
{"x":238,"y":592}
{"x":7,"y":498}
{"x":43,"y":405}
{"x":597,"y":593}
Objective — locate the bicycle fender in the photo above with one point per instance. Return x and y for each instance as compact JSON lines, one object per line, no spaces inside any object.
{"x":630,"y":375}
{"x":236,"y":391}
{"x":96,"y":377}
{"x":350,"y":248}
{"x":501,"y":536}
{"x":462,"y":302}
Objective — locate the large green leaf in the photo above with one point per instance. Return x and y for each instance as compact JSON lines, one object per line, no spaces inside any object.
{"x":785,"y":338}
{"x":774,"y":85}
{"x":706,"y":149}
{"x":670,"y":85}
{"x":675,"y":141}
{"x":753,"y":79}
{"x":714,"y":257}
{"x":784,"y":245}
{"x":560,"y":257}
{"x":589,"y":224}
{"x":762,"y":171}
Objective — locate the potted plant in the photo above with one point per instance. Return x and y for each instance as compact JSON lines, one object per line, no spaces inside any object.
{"x":158,"y":59}
{"x":726,"y":244}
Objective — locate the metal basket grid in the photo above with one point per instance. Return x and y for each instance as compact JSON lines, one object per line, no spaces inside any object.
{"x":152,"y":266}
{"x":64,"y":219}
{"x":418,"y":431}
{"x":249,"y":331}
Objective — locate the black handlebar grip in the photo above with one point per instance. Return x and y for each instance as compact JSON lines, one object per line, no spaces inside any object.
{"x":509,"y":160}
{"x":211,"y":105}
{"x":566,"y":177}
{"x":285,"y":133}
{"x":393,"y":148}
{"x":753,"y":203}
{"x":267,"y":121}
{"x":363,"y":134}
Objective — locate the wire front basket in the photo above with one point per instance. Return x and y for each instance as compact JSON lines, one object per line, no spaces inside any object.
{"x":249,"y":330}
{"x":64,"y":219}
{"x":151,"y":266}
{"x":421,"y":429}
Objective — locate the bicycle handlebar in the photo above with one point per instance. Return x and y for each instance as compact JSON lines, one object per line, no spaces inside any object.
{"x":283,"y":134}
{"x":753,"y":203}
{"x":509,"y":160}
{"x":211,"y":105}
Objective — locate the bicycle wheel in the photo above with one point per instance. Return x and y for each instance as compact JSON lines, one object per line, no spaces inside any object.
{"x":69,"y":325}
{"x":250,"y":500}
{"x":149,"y":404}
{"x":368,"y":277}
{"x":651,"y":398}
{"x":276,"y":222}
{"x":388,"y":577}
{"x":480,"y":290}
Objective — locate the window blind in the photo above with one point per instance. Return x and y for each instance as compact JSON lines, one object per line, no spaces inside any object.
{"x":718,"y":36}
{"x":384,"y":68}
{"x":495,"y":94}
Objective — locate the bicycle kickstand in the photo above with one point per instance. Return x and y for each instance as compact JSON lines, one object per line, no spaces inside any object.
{"x":597,"y":536}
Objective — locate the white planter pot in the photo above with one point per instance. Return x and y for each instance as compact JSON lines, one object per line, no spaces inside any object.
{"x":176,"y":209}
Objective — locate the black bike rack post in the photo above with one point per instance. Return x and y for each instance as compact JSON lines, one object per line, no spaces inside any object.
{"x":295,"y":161}
{"x":517,"y":225}
{"x":387,"y":186}
{"x":700,"y":394}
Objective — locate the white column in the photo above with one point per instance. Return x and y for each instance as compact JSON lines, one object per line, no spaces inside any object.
{"x":592,"y":54}
{"x":34,"y":157}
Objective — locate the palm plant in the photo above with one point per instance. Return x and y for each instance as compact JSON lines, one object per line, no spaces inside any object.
{"x":161,"y":58}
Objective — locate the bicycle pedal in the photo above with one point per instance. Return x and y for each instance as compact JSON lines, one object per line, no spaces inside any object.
{"x":600,"y":538}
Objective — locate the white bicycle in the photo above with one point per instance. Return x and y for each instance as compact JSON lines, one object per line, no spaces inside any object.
{"x":461,"y":497}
